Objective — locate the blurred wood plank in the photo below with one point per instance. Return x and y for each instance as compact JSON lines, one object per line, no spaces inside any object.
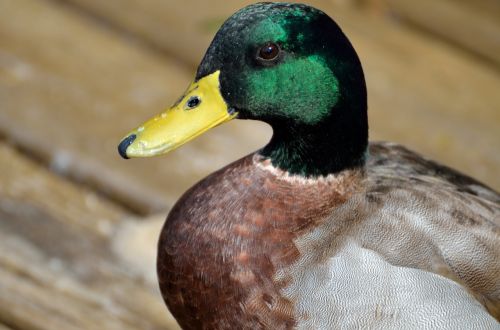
{"x":422,"y":93}
{"x":182,"y":30}
{"x":471,"y":25}
{"x":71,"y":89}
{"x":57,"y":266}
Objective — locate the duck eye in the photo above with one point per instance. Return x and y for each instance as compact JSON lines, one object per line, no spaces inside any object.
{"x":269,"y":51}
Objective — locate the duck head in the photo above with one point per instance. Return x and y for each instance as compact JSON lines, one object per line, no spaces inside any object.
{"x":289,"y":65}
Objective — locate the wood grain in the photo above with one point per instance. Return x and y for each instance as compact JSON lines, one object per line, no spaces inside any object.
{"x":57,"y":266}
{"x":473,"y":26}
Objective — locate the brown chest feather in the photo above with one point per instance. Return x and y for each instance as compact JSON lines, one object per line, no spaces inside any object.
{"x":230,"y":234}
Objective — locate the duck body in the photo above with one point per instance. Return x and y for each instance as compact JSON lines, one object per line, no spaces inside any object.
{"x":318,"y":229}
{"x":401,"y":243}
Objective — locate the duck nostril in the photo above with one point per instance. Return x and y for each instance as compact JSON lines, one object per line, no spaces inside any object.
{"x":193,"y":102}
{"x":122,"y":147}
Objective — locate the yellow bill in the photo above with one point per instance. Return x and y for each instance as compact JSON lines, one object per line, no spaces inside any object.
{"x":200,"y":109}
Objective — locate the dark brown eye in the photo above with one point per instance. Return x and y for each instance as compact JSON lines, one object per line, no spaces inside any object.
{"x":269,"y":51}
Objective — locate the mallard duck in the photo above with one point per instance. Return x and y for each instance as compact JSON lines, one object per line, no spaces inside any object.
{"x":318,"y":229}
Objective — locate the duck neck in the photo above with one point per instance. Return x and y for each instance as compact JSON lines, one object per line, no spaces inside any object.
{"x":336,"y":144}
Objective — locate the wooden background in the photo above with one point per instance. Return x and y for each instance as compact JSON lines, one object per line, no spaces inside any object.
{"x":78,"y":225}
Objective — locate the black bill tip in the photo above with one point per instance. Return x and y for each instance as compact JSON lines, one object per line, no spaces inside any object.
{"x":122,"y":147}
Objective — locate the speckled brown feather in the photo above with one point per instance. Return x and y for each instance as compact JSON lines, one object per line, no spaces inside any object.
{"x":393,"y":167}
{"x":230,"y":246}
{"x":228,"y":235}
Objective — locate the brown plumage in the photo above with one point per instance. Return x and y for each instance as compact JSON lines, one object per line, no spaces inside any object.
{"x":231,"y":246}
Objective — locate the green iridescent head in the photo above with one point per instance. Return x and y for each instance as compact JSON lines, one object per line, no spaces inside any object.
{"x":304,"y":82}
{"x":288,"y":65}
{"x":312,"y":83}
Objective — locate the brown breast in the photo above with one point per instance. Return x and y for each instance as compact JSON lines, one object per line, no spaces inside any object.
{"x":228,"y":236}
